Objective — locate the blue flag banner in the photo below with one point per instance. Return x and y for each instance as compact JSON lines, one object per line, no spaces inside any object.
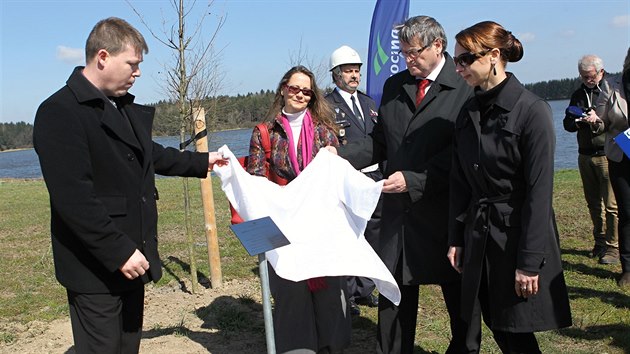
{"x":623,"y":140}
{"x":383,"y":58}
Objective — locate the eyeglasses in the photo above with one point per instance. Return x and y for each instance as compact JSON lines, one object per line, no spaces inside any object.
{"x":466,"y":59}
{"x":587,"y":77}
{"x":294,"y":90}
{"x":412,"y":53}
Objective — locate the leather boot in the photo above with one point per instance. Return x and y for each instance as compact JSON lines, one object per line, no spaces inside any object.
{"x":610,"y":257}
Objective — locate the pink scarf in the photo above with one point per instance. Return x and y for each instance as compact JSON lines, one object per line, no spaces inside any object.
{"x":307,"y":136}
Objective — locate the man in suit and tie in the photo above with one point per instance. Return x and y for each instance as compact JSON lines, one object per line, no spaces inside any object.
{"x":414,"y":134}
{"x":356,"y":114}
{"x":99,"y":163}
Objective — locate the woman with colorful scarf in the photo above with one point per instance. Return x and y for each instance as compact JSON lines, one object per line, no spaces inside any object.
{"x":311,"y":315}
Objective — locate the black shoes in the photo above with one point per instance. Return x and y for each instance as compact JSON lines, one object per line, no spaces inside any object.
{"x":370,"y":300}
{"x":624,"y":282}
{"x":354,"y":308}
{"x":598,"y":251}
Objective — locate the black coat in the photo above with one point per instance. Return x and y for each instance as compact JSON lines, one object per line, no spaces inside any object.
{"x":501,"y":209}
{"x":418,"y":142}
{"x":101,"y":181}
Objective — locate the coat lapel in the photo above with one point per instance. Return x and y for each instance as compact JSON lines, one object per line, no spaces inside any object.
{"x":113,"y":119}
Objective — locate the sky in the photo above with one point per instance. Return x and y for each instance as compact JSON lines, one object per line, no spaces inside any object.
{"x":41,"y":41}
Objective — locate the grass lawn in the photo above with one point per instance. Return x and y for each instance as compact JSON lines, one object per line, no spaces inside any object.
{"x":29,"y":291}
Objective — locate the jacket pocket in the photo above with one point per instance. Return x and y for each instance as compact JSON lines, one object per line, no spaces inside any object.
{"x":115,"y":205}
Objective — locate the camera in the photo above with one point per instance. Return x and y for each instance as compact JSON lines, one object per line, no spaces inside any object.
{"x":577,"y":112}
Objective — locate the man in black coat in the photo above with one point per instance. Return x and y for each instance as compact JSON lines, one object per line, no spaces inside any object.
{"x":355,"y":114}
{"x":414,"y":134}
{"x":99,"y":163}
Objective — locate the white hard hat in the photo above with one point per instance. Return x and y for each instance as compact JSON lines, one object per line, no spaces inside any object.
{"x":344,"y":55}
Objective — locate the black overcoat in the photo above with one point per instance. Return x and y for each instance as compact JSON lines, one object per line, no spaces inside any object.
{"x":100,"y":175}
{"x":501,"y":209}
{"x":418,"y":142}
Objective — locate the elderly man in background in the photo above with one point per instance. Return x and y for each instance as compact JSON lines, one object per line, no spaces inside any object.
{"x":592,"y":161}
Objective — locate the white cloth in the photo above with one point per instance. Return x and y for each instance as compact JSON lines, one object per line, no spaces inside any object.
{"x":323,"y":213}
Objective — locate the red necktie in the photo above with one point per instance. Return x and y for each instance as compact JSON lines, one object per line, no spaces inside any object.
{"x":422,"y":86}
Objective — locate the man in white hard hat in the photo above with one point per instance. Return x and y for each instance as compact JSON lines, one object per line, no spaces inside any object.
{"x":356,"y":114}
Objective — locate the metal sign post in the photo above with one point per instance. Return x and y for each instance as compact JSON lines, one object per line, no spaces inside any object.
{"x":259,"y":236}
{"x":266,"y":300}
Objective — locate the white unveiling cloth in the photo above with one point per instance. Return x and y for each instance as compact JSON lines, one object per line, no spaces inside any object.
{"x":323,"y":213}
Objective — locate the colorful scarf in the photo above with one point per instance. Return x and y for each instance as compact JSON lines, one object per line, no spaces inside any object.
{"x":307,"y":136}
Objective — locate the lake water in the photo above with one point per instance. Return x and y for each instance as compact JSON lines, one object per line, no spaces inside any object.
{"x":24,"y":163}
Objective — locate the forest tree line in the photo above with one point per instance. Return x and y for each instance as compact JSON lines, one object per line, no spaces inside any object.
{"x":240,"y":111}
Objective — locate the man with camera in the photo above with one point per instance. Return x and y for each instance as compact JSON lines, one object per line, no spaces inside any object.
{"x":592,"y":161}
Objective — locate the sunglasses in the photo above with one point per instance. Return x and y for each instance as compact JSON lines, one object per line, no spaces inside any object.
{"x":294,"y":90}
{"x":466,"y":59}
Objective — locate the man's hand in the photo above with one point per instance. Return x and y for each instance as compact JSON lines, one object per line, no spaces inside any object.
{"x":395,"y":183}
{"x":216,"y":158}
{"x":135,"y":266}
{"x":592,"y":118}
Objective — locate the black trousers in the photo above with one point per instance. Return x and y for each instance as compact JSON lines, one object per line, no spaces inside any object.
{"x":396,"y":329}
{"x":619,"y":175}
{"x":107,"y":323}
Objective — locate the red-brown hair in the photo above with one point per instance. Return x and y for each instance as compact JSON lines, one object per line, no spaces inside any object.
{"x":489,"y":35}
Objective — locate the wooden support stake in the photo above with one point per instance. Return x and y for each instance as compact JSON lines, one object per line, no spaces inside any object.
{"x":214,"y":258}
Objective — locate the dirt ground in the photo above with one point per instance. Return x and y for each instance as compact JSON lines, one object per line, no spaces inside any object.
{"x":220,"y":321}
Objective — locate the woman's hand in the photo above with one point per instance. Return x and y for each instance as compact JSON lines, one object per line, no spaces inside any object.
{"x":454,"y":256}
{"x":331,"y":148}
{"x":526,"y":283}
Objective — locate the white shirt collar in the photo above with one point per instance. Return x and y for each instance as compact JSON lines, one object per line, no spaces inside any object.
{"x":434,"y":74}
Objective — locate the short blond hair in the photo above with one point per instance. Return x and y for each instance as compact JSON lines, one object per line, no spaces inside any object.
{"x":113,"y":34}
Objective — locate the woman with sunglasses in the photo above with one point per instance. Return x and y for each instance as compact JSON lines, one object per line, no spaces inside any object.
{"x":502,"y":228}
{"x":310,"y":316}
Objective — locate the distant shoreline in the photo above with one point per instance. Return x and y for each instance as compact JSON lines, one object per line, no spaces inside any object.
{"x":155,"y":136}
{"x":12,"y":150}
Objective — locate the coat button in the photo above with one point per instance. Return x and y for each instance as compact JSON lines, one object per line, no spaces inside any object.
{"x":144,"y":199}
{"x":475,"y":166}
{"x":130,"y":157}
